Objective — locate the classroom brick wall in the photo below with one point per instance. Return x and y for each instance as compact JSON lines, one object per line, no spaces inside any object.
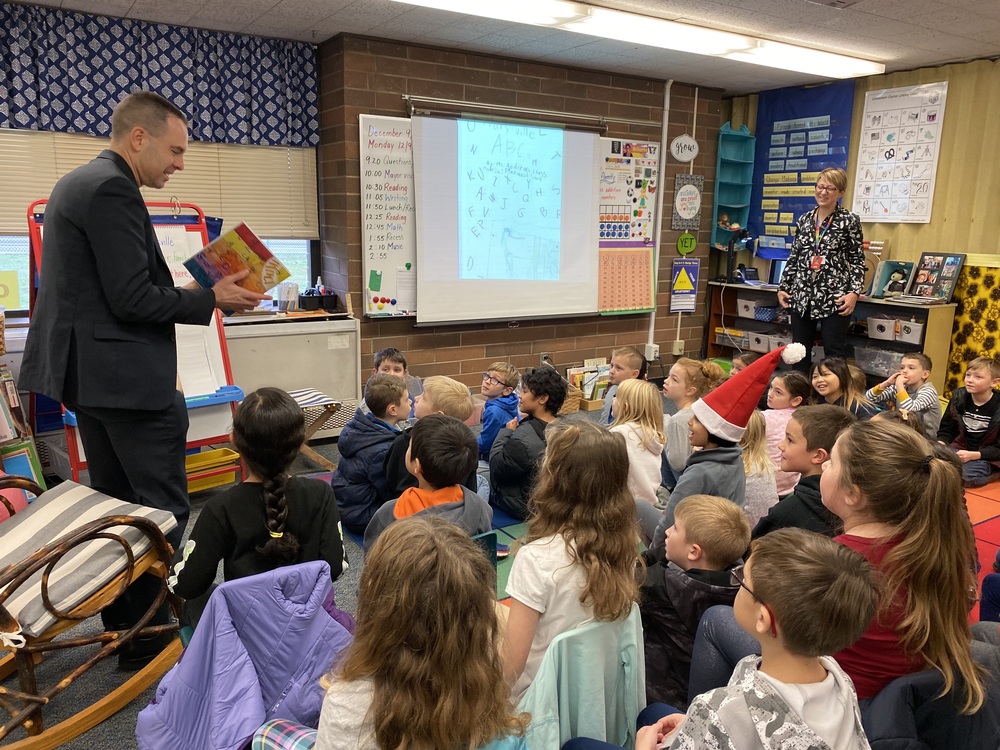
{"x":362,"y":75}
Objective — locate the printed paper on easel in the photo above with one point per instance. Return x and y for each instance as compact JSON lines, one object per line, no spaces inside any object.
{"x":898,"y":154}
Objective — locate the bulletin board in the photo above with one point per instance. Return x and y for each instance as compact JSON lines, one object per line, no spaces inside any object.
{"x":626,"y":176}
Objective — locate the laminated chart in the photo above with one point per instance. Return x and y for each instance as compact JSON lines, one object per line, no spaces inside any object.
{"x":898,"y":154}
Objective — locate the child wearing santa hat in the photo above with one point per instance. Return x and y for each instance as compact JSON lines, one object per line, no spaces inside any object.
{"x":719,"y":421}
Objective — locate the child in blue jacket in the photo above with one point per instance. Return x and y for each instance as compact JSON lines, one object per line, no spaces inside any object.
{"x":499,"y":388}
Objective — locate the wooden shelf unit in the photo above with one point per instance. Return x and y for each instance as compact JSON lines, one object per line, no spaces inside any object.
{"x":723,"y":311}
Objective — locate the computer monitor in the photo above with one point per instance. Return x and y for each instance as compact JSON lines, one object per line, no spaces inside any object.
{"x":777,"y":268}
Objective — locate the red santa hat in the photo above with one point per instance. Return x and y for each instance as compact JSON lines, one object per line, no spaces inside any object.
{"x":726,"y":410}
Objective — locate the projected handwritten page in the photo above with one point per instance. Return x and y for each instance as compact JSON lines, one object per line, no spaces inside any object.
{"x":625,"y":280}
{"x":510,"y":197}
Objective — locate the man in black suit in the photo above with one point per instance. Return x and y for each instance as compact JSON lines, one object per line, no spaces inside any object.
{"x":102,"y":339}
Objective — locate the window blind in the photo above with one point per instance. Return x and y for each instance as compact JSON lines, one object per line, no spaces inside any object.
{"x":271,"y":188}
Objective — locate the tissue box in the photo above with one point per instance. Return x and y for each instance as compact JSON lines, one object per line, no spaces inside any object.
{"x":911,"y":332}
{"x":745,"y":307}
{"x":780,"y":340}
{"x":882,"y":328}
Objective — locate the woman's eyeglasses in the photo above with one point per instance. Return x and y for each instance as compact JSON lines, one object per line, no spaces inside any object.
{"x":826,"y":189}
{"x":737,"y":577}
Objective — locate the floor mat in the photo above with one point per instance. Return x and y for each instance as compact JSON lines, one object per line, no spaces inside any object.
{"x":984,"y":510}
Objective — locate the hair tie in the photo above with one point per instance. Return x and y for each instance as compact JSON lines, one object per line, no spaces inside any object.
{"x":276,"y":534}
{"x":925,"y":463}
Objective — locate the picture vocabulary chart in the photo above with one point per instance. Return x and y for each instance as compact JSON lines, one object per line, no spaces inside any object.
{"x":628,"y":180}
{"x":898,"y":154}
{"x":387,"y":216}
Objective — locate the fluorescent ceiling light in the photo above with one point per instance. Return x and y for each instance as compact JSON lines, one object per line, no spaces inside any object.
{"x":657,"y":32}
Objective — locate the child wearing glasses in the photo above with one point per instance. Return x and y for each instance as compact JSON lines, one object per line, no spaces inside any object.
{"x":709,"y":536}
{"x":499,"y":388}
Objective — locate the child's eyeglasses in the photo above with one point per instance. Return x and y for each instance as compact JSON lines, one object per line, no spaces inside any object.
{"x":492,"y":380}
{"x":737,"y":577}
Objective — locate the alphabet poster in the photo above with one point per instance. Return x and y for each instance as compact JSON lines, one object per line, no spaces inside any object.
{"x":898,"y":154}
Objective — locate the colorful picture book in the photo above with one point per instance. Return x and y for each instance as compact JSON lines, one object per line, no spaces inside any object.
{"x":237,"y":250}
{"x":891,"y":279}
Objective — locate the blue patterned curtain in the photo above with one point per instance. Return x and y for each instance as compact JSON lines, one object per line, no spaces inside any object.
{"x":66,"y":71}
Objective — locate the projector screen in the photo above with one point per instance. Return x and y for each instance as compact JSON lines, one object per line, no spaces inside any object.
{"x":505,"y":220}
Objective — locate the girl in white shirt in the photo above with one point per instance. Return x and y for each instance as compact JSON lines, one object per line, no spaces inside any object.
{"x":638,"y":415}
{"x":424,"y":670}
{"x":578,"y":559}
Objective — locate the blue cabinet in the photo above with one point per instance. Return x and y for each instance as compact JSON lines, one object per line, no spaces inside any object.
{"x":733,"y":180}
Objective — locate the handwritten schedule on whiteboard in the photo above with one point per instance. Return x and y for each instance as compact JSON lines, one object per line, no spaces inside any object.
{"x":387,"y":216}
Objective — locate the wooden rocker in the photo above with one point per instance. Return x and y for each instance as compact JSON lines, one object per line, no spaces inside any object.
{"x":48,"y":585}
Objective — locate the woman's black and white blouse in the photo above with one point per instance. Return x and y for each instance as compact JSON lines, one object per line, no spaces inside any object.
{"x":841,"y":271}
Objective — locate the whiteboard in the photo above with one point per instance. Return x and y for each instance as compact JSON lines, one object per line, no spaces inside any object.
{"x":388,"y":217}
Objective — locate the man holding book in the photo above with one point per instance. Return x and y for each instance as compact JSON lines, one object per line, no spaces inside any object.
{"x":102,"y":339}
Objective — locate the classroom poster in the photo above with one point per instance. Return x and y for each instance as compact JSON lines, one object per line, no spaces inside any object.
{"x":800,"y":131}
{"x":628,"y":181}
{"x":898,"y":154}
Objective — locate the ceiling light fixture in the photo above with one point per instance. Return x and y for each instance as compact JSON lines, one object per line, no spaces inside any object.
{"x":658,"y":32}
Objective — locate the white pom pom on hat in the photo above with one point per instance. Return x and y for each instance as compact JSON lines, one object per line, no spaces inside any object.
{"x":726,"y":410}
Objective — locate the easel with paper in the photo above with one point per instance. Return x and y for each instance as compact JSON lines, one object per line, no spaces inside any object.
{"x":203,"y":368}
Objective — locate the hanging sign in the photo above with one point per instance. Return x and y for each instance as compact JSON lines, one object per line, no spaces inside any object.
{"x":684,"y":284}
{"x":686,"y":243}
{"x":687,"y":202}
{"x":684,"y":148}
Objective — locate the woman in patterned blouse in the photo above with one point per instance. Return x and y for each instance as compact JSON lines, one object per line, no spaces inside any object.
{"x":825,"y":270}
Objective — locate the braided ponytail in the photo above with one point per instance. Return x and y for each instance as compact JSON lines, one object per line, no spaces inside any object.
{"x":268,"y":430}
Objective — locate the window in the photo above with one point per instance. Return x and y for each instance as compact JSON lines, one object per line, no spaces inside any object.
{"x":295,"y":254}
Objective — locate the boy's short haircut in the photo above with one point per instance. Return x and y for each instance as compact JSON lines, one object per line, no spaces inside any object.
{"x":391,"y":355}
{"x":545,"y":381}
{"x":985,"y":363}
{"x":822,"y":593}
{"x":822,"y":424}
{"x":382,"y":391}
{"x":510,"y":375}
{"x":923,"y":359}
{"x":446,"y":449}
{"x":632,"y":356}
{"x":449,"y":397}
{"x":719,"y":526}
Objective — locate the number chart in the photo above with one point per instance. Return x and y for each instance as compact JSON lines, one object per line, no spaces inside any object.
{"x":387,"y":217}
{"x":625,"y":280}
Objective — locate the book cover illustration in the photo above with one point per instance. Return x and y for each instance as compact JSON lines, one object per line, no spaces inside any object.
{"x":237,"y":250}
{"x":891,"y":279}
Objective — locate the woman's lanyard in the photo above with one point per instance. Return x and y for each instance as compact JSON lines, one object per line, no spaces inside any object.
{"x":822,"y":230}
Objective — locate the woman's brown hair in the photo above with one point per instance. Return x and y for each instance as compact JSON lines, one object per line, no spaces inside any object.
{"x":582,"y":494}
{"x":427,"y":637}
{"x":916,"y":488}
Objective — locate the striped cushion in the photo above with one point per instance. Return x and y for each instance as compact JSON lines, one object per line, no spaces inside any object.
{"x":310,"y":397}
{"x":83,"y":570}
{"x":283,"y":735}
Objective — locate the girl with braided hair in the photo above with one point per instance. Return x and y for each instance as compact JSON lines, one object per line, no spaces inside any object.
{"x":271,"y":519}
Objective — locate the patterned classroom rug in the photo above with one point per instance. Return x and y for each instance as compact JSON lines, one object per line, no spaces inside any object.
{"x":984,"y":510}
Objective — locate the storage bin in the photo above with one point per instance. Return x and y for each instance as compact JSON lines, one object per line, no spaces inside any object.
{"x":745,"y":307}
{"x":911,"y":332}
{"x":212,"y":459}
{"x":765,"y":313}
{"x":760,"y":342}
{"x":780,"y":340}
{"x":877,"y":361}
{"x":882,"y":328}
{"x":731,"y":337}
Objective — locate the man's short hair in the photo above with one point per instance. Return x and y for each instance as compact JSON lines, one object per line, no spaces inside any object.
{"x":143,"y":109}
{"x":382,"y":391}
{"x":923,"y":359}
{"x":717,"y":525}
{"x":822,"y":593}
{"x":389,"y":354}
{"x":449,"y":397}
{"x":510,"y":375}
{"x":992,"y":364}
{"x":446,"y":449}
{"x":822,"y":424}
{"x":545,"y":381}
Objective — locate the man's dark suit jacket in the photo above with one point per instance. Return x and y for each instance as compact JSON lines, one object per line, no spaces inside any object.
{"x":102,"y":329}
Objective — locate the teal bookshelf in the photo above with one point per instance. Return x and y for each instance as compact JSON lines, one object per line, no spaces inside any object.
{"x":733,"y":181}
